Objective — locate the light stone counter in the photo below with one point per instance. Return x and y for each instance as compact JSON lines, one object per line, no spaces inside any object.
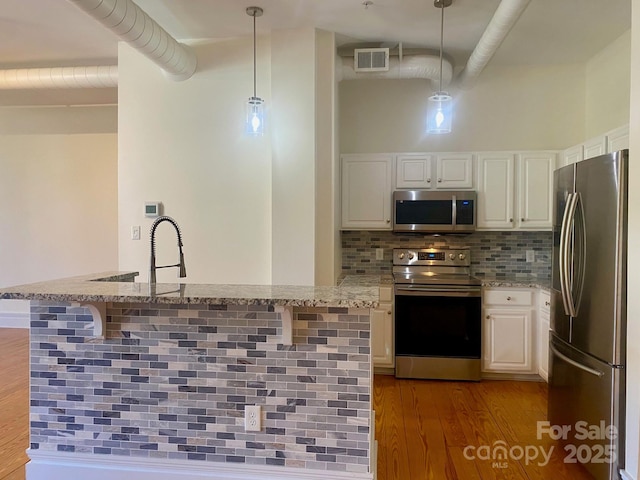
{"x":523,"y":282}
{"x":160,"y":390}
{"x":119,"y":287}
{"x":365,"y":280}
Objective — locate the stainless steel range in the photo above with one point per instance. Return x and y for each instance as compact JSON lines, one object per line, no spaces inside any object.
{"x":437,"y":314}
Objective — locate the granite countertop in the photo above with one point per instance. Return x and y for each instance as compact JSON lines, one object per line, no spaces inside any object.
{"x":119,"y":287}
{"x":365,"y":280}
{"x":525,"y":281}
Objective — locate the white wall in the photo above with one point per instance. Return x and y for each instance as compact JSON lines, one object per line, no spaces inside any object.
{"x":508,"y":108}
{"x":58,"y":197}
{"x":608,"y":76}
{"x":633,"y":299}
{"x":327,"y":240}
{"x":246,"y":206}
{"x":293,"y":72}
{"x":58,"y":203}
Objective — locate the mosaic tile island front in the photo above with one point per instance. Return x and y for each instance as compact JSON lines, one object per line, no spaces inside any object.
{"x":176,"y":367}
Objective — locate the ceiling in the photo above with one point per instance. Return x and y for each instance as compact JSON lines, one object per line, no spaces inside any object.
{"x":44,"y":33}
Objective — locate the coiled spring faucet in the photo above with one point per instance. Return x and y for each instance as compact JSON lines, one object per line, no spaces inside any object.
{"x":152,"y":270}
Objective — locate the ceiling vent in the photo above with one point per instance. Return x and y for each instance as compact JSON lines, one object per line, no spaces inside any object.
{"x":371,"y":59}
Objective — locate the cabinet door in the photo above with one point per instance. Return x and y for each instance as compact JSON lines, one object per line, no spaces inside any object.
{"x":535,"y":172}
{"x":571,"y":155}
{"x":618,"y":139}
{"x":414,"y":171}
{"x":507,"y":340}
{"x":454,"y":170}
{"x":595,"y":146}
{"x":382,"y":336}
{"x":366,"y":192}
{"x":495,"y":191}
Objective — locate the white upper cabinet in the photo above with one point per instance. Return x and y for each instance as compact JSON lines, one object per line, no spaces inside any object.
{"x":535,"y":173}
{"x":571,"y":155}
{"x":495,"y":191}
{"x":515,"y":198}
{"x":454,"y":170}
{"x":434,"y":171}
{"x":618,"y":139}
{"x":594,"y":147}
{"x":366,"y":191}
{"x":414,"y":171}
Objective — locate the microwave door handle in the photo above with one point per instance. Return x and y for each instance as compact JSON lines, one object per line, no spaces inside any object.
{"x":454,"y":211}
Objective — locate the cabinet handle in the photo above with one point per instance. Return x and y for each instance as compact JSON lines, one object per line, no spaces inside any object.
{"x":439,"y":180}
{"x":488,"y":317}
{"x":388,"y":221}
{"x":508,"y":298}
{"x":511,"y":220}
{"x":428,"y":180}
{"x":389,"y":312}
{"x":522,"y":220}
{"x":547,"y":304}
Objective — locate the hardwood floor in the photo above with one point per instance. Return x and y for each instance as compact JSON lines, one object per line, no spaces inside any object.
{"x":433,"y":430}
{"x":14,"y":402}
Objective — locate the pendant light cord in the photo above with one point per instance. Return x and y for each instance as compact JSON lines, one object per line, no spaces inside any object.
{"x":254,"y":56}
{"x":441,"y":42}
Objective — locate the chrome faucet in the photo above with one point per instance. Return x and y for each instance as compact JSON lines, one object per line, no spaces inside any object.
{"x":152,"y":270}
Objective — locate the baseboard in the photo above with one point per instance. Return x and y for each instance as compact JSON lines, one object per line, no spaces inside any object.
{"x":65,"y":466}
{"x":14,"y":320}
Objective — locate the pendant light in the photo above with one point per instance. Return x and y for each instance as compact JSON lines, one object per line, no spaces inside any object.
{"x":440,"y":106}
{"x":255,"y":105}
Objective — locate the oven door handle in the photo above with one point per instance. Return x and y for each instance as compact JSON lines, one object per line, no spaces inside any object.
{"x":422,"y":291}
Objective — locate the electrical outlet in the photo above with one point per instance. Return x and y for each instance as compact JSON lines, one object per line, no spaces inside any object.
{"x":252,"y":418}
{"x":135,"y":232}
{"x":531,"y":256}
{"x":379,"y":253}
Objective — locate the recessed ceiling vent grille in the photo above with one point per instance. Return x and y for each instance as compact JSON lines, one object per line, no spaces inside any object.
{"x":371,"y":59}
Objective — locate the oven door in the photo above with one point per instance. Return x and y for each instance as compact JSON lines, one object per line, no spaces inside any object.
{"x":437,"y":330}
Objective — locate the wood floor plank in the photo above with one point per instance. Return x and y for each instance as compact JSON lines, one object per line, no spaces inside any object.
{"x":446,"y":422}
{"x":14,"y":402}
{"x":393,"y":461}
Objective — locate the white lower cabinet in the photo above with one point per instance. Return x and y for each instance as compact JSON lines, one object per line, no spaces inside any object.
{"x":382,"y":349}
{"x":508,"y":334}
{"x":544,"y":303}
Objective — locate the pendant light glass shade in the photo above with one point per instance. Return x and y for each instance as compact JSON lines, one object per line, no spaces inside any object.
{"x":439,"y":113}
{"x":255,"y":105}
{"x":255,"y":116}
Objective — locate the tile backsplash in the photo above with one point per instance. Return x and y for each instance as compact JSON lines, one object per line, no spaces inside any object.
{"x":172,"y":382}
{"x":493,"y":254}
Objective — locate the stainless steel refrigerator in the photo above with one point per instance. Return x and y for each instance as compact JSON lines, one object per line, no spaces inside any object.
{"x":588,"y":310}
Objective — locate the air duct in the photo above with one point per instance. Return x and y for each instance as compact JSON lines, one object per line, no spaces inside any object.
{"x":103,"y":76}
{"x":134,"y":26}
{"x":503,"y":20}
{"x":411,"y":66}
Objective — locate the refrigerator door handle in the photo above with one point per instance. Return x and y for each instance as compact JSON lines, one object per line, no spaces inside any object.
{"x":592,"y":371}
{"x":565,"y":254}
{"x":579,"y":253}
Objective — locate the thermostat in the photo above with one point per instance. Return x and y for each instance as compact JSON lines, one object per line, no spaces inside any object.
{"x":152,"y":209}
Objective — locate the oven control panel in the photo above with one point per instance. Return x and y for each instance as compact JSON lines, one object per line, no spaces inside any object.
{"x":458,"y":257}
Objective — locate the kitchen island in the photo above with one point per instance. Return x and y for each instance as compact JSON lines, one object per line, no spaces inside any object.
{"x":131,"y":380}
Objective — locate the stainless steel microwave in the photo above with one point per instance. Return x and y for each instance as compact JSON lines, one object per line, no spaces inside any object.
{"x":426,"y":211}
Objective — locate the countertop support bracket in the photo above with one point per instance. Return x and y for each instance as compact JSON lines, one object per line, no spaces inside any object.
{"x":98,"y":311}
{"x":286,"y":314}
